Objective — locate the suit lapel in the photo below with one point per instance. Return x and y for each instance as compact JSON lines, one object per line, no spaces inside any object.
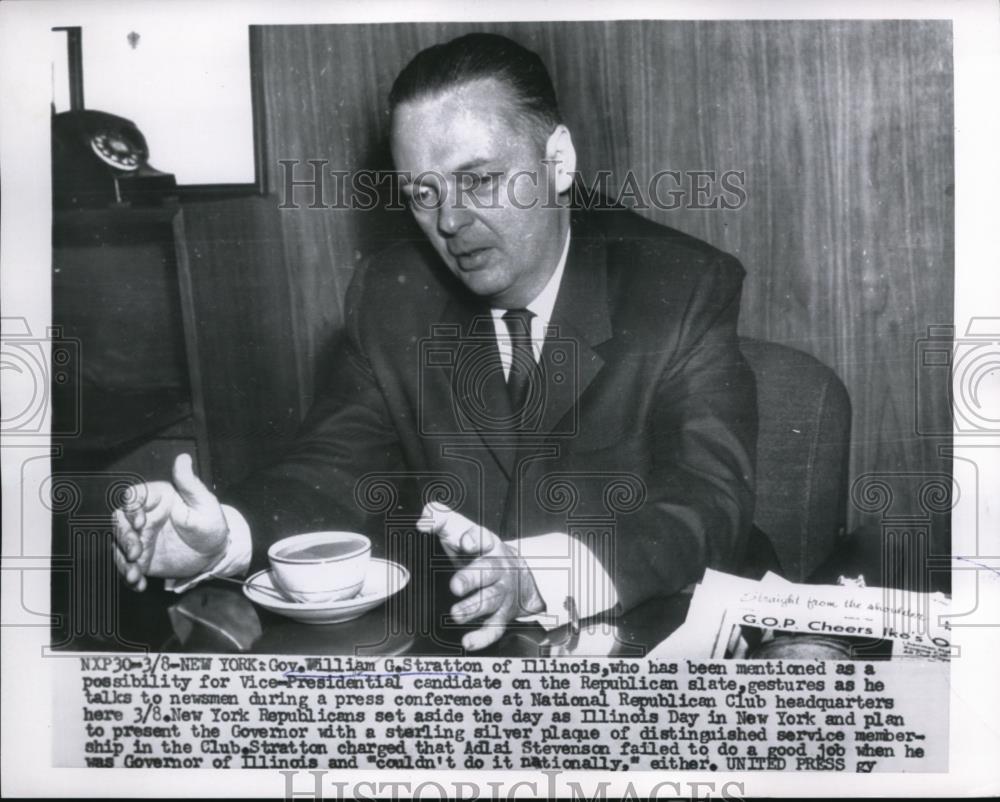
{"x":580,"y":322}
{"x":569,"y":362}
{"x":470,"y":393}
{"x":474,"y":388}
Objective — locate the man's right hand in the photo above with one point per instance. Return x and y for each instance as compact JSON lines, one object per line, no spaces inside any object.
{"x":175,"y":530}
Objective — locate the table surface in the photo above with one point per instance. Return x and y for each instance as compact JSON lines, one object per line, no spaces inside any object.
{"x":215,"y":616}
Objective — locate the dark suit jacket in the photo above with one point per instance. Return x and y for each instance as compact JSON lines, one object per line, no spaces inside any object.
{"x":640,"y":436}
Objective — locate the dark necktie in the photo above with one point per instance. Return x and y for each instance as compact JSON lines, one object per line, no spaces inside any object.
{"x":522,"y":363}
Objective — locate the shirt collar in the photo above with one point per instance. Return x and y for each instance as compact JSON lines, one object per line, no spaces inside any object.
{"x":545,"y":301}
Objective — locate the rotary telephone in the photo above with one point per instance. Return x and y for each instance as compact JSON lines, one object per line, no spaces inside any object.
{"x":100,"y":160}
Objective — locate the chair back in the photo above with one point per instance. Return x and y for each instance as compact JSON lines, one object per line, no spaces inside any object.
{"x":803,"y":444}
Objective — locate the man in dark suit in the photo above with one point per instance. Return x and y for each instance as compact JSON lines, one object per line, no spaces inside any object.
{"x":572,"y":377}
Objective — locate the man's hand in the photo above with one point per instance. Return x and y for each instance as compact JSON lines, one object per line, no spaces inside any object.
{"x":169,"y":530}
{"x":496,"y":584}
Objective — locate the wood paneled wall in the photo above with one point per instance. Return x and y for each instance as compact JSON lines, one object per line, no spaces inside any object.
{"x":241,"y":295}
{"x":843,"y":131}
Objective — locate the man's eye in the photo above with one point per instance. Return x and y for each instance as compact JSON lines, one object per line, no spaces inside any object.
{"x":422,"y":197}
{"x":472,"y":182}
{"x":483,"y":181}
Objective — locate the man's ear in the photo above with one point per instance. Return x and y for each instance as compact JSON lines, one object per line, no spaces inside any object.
{"x":561,"y":155}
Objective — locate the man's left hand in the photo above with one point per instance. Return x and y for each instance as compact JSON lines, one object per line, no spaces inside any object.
{"x":496,"y":585}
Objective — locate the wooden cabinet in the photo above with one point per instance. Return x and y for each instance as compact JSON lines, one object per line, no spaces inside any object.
{"x":181,"y":322}
{"x":121,"y":293}
{"x":184,"y":320}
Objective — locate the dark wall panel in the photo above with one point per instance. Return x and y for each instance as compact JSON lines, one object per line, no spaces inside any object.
{"x":843,"y":131}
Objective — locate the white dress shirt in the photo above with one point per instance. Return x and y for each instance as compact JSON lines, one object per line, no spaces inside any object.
{"x":562,"y":567}
{"x":542,"y":308}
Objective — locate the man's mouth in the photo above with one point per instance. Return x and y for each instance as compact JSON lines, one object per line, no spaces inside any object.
{"x":471,"y":258}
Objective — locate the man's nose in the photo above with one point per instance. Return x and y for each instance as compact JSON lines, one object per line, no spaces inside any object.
{"x":453,"y":215}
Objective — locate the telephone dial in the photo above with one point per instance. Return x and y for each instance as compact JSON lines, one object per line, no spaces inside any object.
{"x":100,"y":160}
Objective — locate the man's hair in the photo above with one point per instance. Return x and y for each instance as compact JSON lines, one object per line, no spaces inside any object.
{"x":477,"y":57}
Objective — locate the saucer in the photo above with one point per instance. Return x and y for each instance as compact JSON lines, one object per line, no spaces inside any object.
{"x":383,"y":579}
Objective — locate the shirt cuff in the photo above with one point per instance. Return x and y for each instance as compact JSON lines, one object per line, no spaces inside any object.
{"x":564,"y":568}
{"x":235,"y":560}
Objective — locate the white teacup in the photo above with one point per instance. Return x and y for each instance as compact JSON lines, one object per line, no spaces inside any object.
{"x":320,"y":566}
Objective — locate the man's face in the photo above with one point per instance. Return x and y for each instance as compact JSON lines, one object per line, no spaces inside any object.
{"x":480,"y":191}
